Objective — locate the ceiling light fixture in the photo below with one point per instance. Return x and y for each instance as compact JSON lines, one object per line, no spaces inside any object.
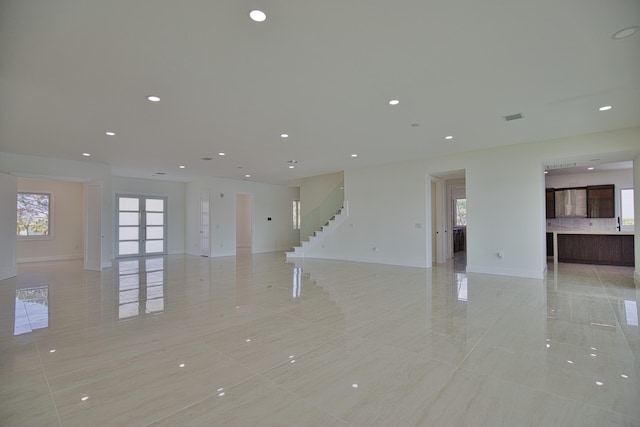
{"x":257,"y":15}
{"x":590,"y":168}
{"x":605,"y":108}
{"x":291,"y":166}
{"x":448,"y":137}
{"x":394,"y":102}
{"x":354,"y":155}
{"x":86,"y":154}
{"x":625,"y":32}
{"x":153,"y":98}
{"x":182,"y":166}
{"x":109,"y":133}
{"x":247,"y":176}
{"x":546,"y":172}
{"x":222,"y":154}
{"x":284,"y":135}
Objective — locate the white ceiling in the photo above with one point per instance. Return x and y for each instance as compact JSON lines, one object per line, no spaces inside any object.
{"x":321,"y":71}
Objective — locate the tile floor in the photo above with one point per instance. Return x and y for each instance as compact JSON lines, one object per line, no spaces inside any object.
{"x":255,"y":341}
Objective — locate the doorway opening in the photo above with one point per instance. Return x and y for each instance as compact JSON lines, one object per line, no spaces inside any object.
{"x":244,"y":223}
{"x":449,"y":217}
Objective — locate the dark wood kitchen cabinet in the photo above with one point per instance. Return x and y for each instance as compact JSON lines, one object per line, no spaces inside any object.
{"x":550,"y":197}
{"x":608,"y":249}
{"x":600,"y":201}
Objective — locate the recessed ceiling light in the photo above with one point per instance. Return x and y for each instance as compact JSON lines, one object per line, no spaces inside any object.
{"x":291,"y":166}
{"x":247,"y":176}
{"x":605,"y":108}
{"x":448,"y":137}
{"x":153,"y":98}
{"x":284,"y":135}
{"x":590,"y":168}
{"x":625,"y":32}
{"x":222,"y":154}
{"x":546,"y":172}
{"x":394,"y":102}
{"x":182,"y":166}
{"x":354,"y":155}
{"x":86,"y":154}
{"x":110,"y":133}
{"x":257,"y":15}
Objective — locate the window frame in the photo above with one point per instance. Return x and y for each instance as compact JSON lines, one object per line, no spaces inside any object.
{"x":296,"y":219}
{"x":455,"y":212}
{"x":622,"y":226}
{"x":50,"y":235}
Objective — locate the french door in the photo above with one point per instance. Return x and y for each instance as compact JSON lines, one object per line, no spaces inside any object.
{"x":141,"y":225}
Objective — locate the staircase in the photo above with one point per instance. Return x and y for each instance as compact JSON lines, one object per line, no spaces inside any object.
{"x":321,"y":234}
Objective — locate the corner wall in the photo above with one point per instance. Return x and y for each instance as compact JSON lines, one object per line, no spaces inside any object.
{"x":8,"y":190}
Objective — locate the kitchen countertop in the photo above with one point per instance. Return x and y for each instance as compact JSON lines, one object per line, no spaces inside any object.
{"x":604,"y":233}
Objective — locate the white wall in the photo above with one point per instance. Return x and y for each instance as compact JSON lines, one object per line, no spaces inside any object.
{"x":175,"y":193}
{"x":8,"y":190}
{"x":67,"y":213}
{"x":386,"y":204}
{"x":636,"y":211}
{"x":272,"y":201}
{"x":505,"y":204}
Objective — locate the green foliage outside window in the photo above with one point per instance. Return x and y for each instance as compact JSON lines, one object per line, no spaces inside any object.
{"x":461,"y":212}
{"x":33,"y":214}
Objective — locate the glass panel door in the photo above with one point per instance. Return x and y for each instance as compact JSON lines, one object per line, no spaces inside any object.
{"x":141,"y":227}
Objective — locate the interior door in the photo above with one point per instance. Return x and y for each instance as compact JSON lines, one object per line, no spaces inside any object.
{"x":141,"y":225}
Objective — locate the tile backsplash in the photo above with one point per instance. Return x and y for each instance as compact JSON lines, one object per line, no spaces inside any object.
{"x":605,"y":225}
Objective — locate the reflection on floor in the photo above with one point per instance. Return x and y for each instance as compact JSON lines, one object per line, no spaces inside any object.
{"x":252,"y":340}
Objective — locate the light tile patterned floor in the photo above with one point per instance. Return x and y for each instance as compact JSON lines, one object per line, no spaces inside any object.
{"x":256,"y":341}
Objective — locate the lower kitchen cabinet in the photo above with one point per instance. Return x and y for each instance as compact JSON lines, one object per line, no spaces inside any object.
{"x":609,"y":249}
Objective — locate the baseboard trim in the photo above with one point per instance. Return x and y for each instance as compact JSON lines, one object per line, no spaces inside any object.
{"x":529,"y":274}
{"x":49,"y":258}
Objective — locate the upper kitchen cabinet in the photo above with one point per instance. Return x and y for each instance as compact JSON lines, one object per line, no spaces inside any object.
{"x":571,"y":202}
{"x":550,"y":202}
{"x":600,"y":201}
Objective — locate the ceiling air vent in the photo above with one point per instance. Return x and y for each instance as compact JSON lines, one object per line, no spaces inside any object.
{"x":513,"y":117}
{"x":560,"y":166}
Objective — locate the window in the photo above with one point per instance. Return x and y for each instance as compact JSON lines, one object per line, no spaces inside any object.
{"x":296,"y":214}
{"x":626,"y":209}
{"x":34,"y":215}
{"x":460,"y":212}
